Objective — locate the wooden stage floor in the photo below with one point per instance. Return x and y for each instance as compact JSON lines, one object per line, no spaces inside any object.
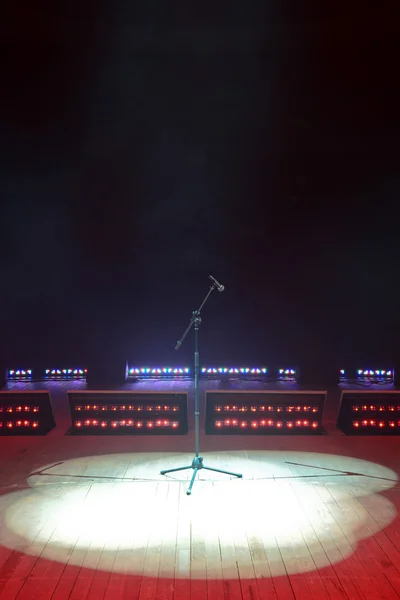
{"x":90,"y":517}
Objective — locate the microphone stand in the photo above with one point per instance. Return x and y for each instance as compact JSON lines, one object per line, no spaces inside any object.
{"x":197,"y":463}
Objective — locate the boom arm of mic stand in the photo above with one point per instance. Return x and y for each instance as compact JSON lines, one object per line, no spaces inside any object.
{"x":196,"y":315}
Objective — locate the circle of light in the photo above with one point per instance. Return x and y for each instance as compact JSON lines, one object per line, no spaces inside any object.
{"x":300,"y":510}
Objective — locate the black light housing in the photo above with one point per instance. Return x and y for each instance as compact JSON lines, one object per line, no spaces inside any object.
{"x":26,"y":413}
{"x":372,"y":412}
{"x":128,"y":412}
{"x":265,"y":413}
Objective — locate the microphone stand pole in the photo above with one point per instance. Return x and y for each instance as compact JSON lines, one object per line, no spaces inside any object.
{"x":197,"y":463}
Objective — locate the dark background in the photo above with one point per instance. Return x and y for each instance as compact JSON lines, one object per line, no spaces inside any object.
{"x":144,"y":146}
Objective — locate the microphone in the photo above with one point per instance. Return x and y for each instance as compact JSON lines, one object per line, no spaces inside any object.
{"x":219,"y":286}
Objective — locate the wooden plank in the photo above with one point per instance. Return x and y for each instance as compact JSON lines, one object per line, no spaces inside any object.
{"x":166,"y":575}
{"x":198,"y":532}
{"x":320,"y":575}
{"x":232,"y":587}
{"x":335,"y":580}
{"x":182,"y":588}
{"x":148,"y":590}
{"x":368,"y":552}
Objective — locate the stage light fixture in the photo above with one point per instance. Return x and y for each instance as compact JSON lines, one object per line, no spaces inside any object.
{"x":25,"y":413}
{"x":213,"y":372}
{"x":158,"y":372}
{"x":264,"y":412}
{"x":287,"y":374}
{"x":58,"y":374}
{"x":366,"y":376}
{"x":127,"y":412}
{"x":234,"y":372}
{"x":372,"y":412}
{"x":19,"y":374}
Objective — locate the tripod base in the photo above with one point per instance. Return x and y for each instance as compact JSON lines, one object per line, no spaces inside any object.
{"x":197,"y":465}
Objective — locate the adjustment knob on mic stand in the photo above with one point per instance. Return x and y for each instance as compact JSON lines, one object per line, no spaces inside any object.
{"x":218,"y":285}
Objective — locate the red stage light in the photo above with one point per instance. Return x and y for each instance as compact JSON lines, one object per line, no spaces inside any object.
{"x":116,"y":415}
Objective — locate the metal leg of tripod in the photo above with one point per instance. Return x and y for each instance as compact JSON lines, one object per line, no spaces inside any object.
{"x":174,"y":470}
{"x":239,"y":475}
